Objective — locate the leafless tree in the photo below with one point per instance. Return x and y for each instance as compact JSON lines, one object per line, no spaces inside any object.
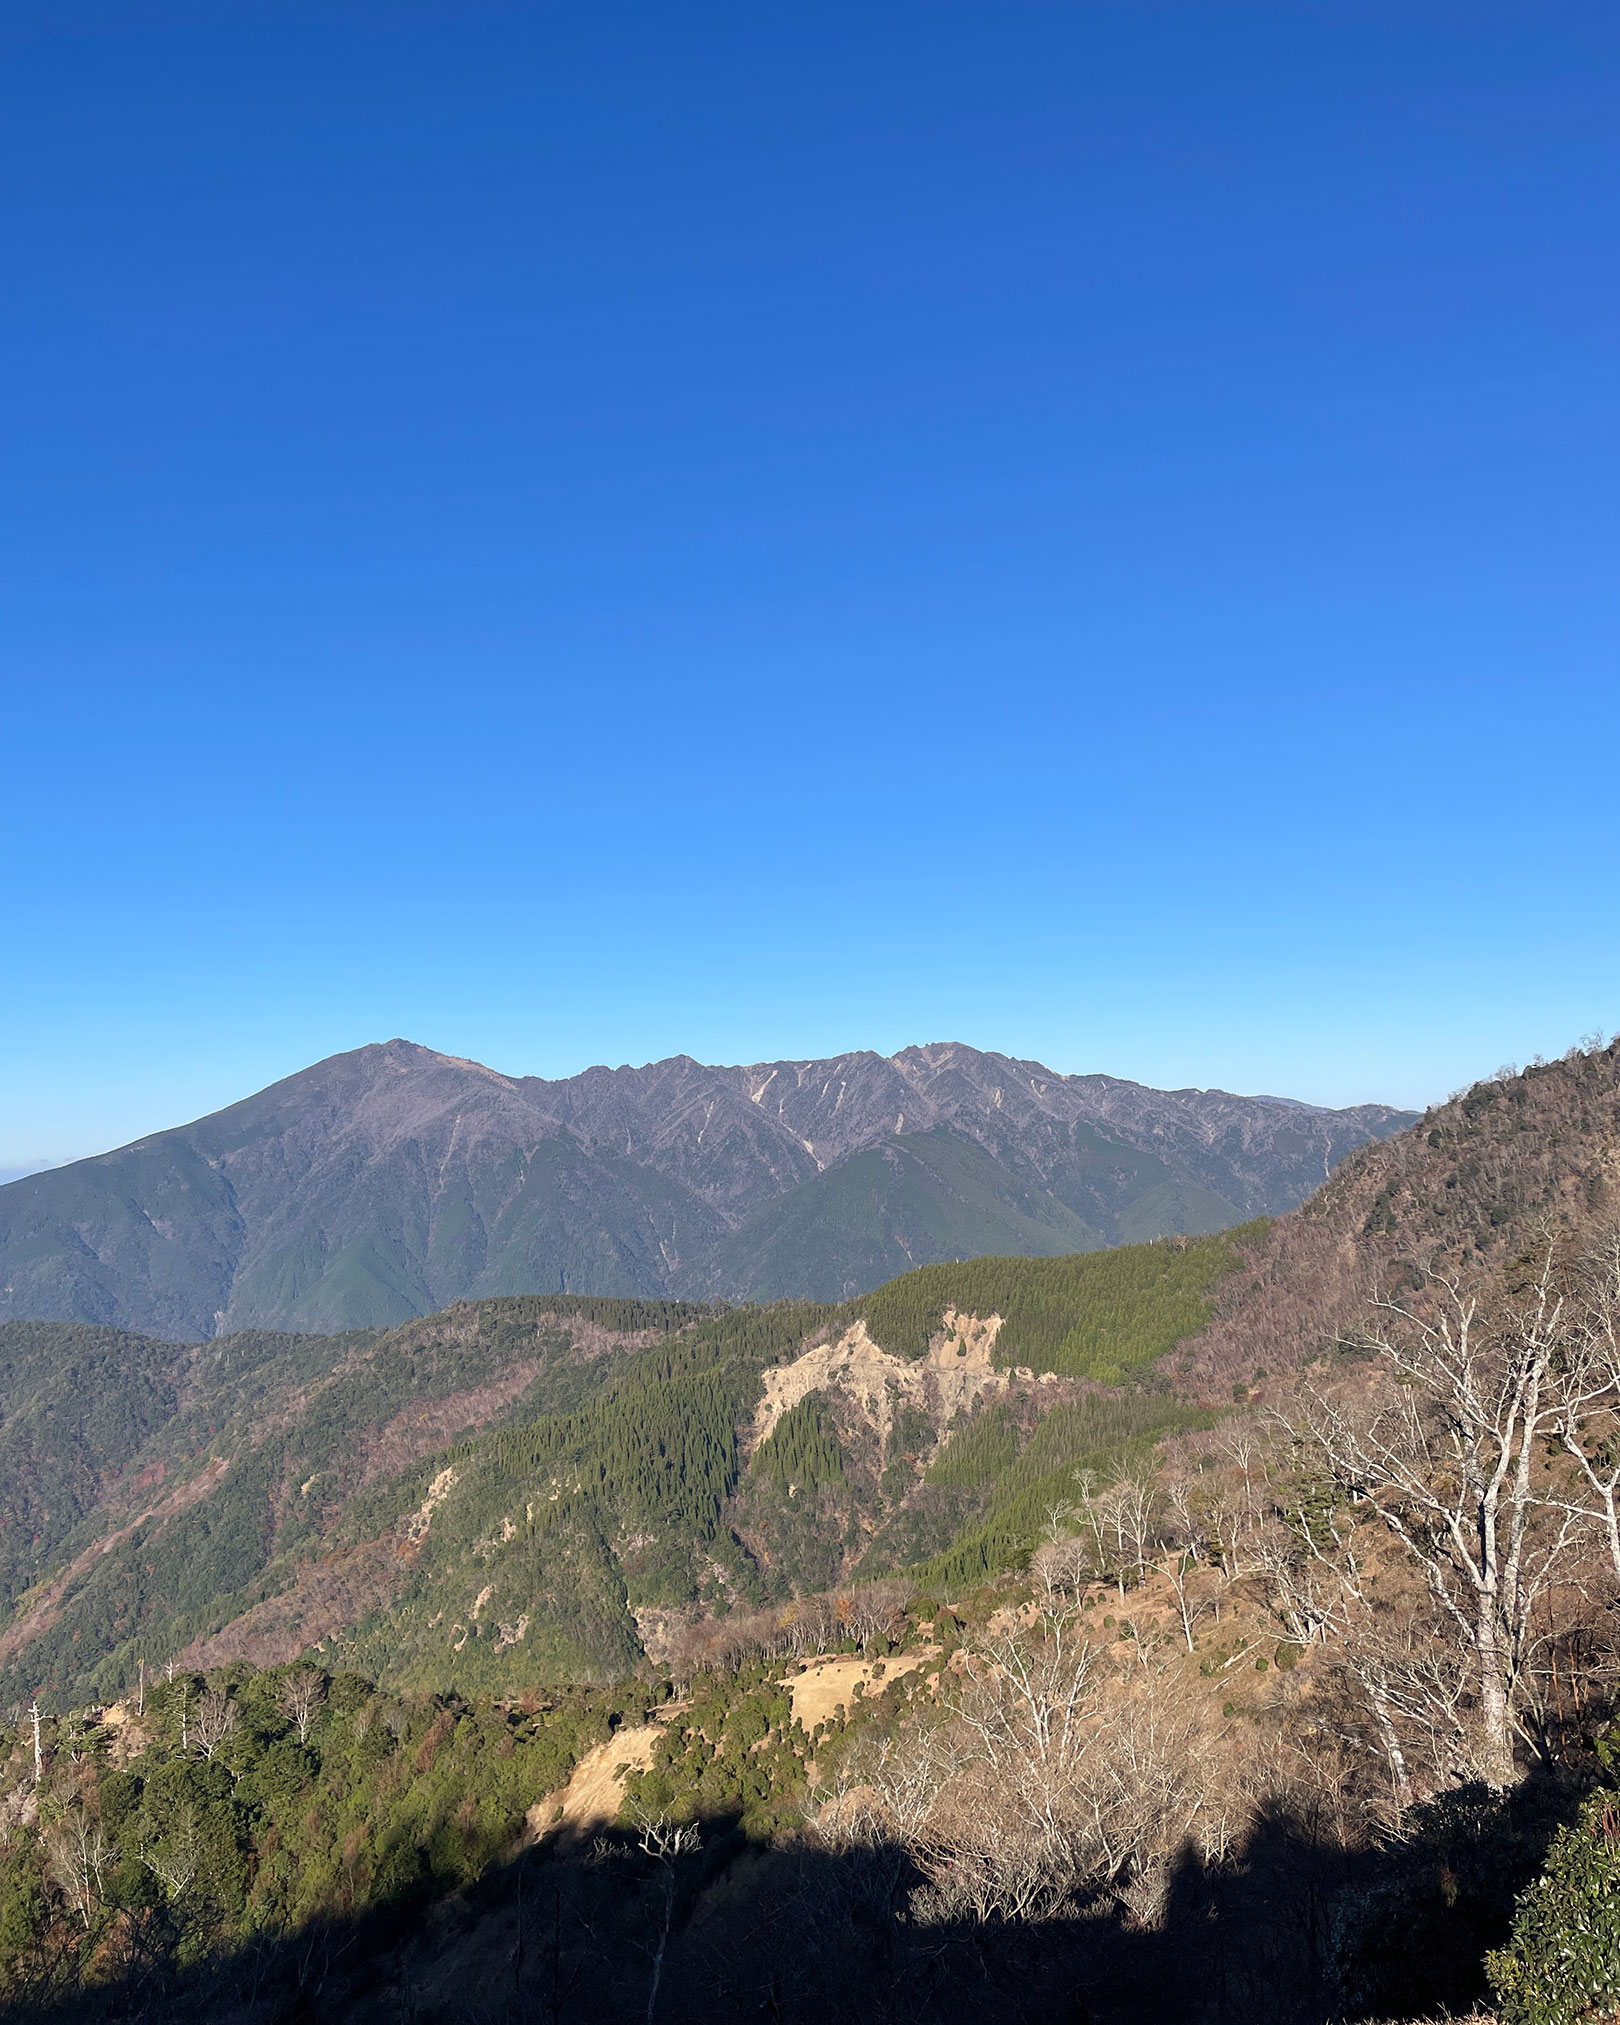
{"x":1028,"y":1696}
{"x":302,"y":1693}
{"x":657,"y":1837}
{"x":1241,"y":1441}
{"x":1057,"y":1793}
{"x":215,"y":1720}
{"x":1125,"y":1514}
{"x":875,"y":1610}
{"x":1148,"y":1788}
{"x":1443,"y":1452}
{"x":1186,"y":1520}
{"x":811,"y":1626}
{"x":1183,"y":1572}
{"x":79,"y":1855}
{"x":1062,"y":1565}
{"x":1586,"y":1386}
{"x":173,"y":1859}
{"x":1314,"y":1579}
{"x":1090,"y":1516}
{"x":1416,"y":1686}
{"x":1012,"y":1844}
{"x":889,"y":1792}
{"x":1235,"y":1521}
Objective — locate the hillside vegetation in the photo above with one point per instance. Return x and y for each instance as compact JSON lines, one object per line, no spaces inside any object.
{"x":1215,"y":1631}
{"x":1100,"y":1317}
{"x":575,"y":1464}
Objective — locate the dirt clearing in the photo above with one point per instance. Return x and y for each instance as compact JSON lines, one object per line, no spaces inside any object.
{"x":595,"y":1793}
{"x":829,"y":1684}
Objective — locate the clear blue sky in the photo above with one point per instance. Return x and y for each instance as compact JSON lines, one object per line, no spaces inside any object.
{"x":575,"y":532}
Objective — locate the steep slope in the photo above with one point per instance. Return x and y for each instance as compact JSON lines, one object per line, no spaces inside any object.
{"x":88,"y":1414}
{"x":524,"y":1489}
{"x":1498,"y":1170}
{"x":917,"y":1196}
{"x":195,"y":1482}
{"x":392,"y":1181}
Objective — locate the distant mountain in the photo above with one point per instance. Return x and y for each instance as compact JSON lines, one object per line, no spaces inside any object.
{"x":524,"y":1489}
{"x":391,"y":1181}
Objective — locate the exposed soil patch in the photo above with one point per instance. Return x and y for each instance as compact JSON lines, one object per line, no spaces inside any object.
{"x":595,"y":1793}
{"x":829,"y":1685}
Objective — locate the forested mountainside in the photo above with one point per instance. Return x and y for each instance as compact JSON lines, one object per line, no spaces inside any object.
{"x":393,"y":1181}
{"x":534,"y":1488}
{"x":1212,"y":1629}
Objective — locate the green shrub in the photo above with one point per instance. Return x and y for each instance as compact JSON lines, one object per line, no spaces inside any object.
{"x":1563,"y":1961}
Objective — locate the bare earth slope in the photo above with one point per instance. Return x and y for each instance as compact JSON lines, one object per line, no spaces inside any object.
{"x":392,"y":1181}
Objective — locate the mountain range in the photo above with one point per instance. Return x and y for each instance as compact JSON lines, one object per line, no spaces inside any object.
{"x":391,"y":1181}
{"x":526,"y":1488}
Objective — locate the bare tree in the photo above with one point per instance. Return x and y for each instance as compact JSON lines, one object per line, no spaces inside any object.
{"x":173,"y":1859}
{"x":1028,"y":1697}
{"x":1182,"y":1506}
{"x":1416,"y":1686}
{"x":813,"y":1627}
{"x":1058,"y":1792}
{"x":216,"y":1719}
{"x":875,"y":1610}
{"x":1062,"y":1565}
{"x":1013,"y":1844}
{"x":1124,"y":1512}
{"x":1586,"y":1384}
{"x":1235,"y":1526}
{"x":79,"y":1855}
{"x":1182,"y":1569}
{"x":302,"y":1693}
{"x":889,"y":1792}
{"x":1241,"y":1441}
{"x":1443,"y":1452}
{"x":660,"y":1839}
{"x":1092,"y":1517}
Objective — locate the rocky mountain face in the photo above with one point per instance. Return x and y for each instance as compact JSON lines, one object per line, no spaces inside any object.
{"x":391,"y":1181}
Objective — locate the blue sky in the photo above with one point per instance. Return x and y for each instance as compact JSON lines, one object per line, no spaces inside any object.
{"x":579,"y":532}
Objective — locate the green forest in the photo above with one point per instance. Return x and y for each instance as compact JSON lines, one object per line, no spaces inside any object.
{"x":1100,"y":1315}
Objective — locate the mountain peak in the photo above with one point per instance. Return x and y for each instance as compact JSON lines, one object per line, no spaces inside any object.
{"x":393,"y":1180}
